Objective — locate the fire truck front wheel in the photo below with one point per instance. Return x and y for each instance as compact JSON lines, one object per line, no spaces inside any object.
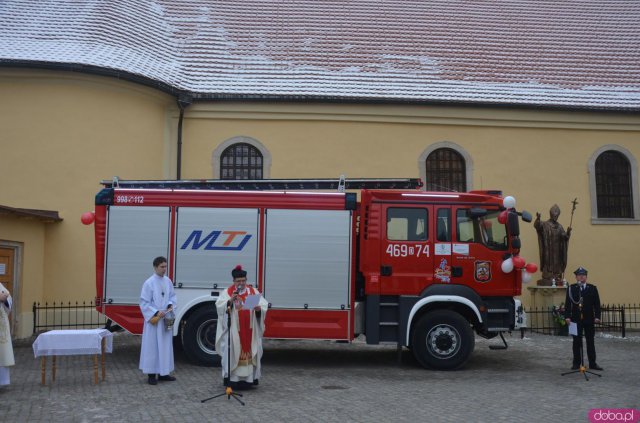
{"x":199,"y":337}
{"x":443,"y":340}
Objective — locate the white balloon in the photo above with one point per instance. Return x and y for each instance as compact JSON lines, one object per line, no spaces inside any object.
{"x":526,"y":276}
{"x":507,"y":265}
{"x":509,"y":202}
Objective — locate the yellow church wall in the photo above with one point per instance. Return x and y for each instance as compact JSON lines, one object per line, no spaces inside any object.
{"x":540,"y":157}
{"x":64,"y":132}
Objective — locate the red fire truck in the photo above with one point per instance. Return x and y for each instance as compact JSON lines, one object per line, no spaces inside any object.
{"x":422,"y":270}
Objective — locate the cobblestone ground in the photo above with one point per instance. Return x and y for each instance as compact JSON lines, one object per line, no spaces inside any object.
{"x":321,"y":381}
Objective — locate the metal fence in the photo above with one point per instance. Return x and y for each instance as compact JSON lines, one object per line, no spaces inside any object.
{"x":66,"y":316}
{"x":615,"y":318}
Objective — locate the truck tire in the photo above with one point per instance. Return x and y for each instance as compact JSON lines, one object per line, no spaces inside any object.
{"x":442,"y":340}
{"x":199,"y":337}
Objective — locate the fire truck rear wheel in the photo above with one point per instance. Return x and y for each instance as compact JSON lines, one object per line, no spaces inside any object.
{"x":443,"y":340}
{"x":199,"y":337}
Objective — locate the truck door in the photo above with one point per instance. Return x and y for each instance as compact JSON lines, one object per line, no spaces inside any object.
{"x":406,"y":257}
{"x":308,"y":273}
{"x":477,"y":253}
{"x":135,"y":236}
{"x":211,"y":241}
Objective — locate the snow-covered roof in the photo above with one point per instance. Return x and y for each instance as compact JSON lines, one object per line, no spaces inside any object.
{"x":535,"y":53}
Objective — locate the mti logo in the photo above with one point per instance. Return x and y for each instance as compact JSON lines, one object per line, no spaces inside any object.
{"x":217,"y":240}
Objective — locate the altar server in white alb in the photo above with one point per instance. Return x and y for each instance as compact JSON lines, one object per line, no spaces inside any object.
{"x":247,"y":328}
{"x":158,"y":305}
{"x":6,"y":347}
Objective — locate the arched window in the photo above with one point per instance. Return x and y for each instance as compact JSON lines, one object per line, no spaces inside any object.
{"x":613,"y":185}
{"x":241,"y":158}
{"x":613,"y":174}
{"x":446,"y":170}
{"x":241,"y":161}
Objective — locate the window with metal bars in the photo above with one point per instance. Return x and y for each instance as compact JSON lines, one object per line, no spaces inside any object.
{"x":241,"y":161}
{"x":614,"y":186}
{"x":446,"y":171}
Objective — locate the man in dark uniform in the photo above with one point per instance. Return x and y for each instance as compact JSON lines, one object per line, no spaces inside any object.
{"x":582,"y":306}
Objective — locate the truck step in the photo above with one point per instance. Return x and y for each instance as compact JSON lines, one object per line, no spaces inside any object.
{"x":388,"y":304}
{"x":388,"y":323}
{"x":498,"y":310}
{"x":498,"y":329}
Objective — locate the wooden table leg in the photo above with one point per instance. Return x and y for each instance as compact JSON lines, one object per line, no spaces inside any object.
{"x":43,"y":365}
{"x":102,"y":358}
{"x":53,"y":368}
{"x":95,"y":368}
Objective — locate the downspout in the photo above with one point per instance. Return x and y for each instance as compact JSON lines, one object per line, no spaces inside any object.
{"x":183,"y":102}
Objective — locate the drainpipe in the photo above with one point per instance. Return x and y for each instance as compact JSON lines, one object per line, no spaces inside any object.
{"x":183,"y":102}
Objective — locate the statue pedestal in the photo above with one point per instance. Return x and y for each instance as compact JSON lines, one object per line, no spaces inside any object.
{"x":545,"y":297}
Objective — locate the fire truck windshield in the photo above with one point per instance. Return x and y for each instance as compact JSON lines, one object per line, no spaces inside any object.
{"x":483,"y":230}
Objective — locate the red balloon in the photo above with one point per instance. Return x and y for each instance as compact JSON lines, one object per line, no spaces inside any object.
{"x":531,"y":267}
{"x":518,"y":262}
{"x":502,"y":217}
{"x":87,"y":218}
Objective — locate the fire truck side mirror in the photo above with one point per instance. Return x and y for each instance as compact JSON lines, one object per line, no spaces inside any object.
{"x":516,"y":244}
{"x":526,"y":216}
{"x":513,"y":224}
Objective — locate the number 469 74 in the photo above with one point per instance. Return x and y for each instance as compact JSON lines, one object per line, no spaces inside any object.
{"x":404,"y":250}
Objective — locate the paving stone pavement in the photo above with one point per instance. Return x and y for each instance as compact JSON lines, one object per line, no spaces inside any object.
{"x":323,"y":381}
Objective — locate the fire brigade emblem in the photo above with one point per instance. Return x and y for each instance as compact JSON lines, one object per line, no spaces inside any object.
{"x":443,"y":272}
{"x":483,"y":271}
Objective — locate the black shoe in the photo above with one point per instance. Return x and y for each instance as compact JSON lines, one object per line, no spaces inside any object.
{"x":595,"y":367}
{"x":575,"y":367}
{"x":256,"y":382}
{"x":166,"y":378}
{"x":153,"y":380}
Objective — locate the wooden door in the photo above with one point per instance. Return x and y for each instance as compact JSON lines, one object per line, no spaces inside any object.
{"x":7,"y":258}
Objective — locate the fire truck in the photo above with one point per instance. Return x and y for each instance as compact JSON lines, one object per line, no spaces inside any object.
{"x":375,"y":257}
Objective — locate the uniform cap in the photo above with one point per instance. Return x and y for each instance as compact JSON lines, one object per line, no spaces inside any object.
{"x":580,"y":271}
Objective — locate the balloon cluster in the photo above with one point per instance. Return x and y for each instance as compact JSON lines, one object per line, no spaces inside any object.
{"x":528,"y":270}
{"x":515,"y":261}
{"x":509,"y":203}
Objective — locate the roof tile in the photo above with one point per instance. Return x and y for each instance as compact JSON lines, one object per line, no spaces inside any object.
{"x":558,"y":53}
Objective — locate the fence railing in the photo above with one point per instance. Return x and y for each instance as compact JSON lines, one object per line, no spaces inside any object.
{"x":615,"y":318}
{"x":66,"y":316}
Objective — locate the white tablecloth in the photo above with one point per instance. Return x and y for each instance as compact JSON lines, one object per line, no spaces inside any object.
{"x":72,"y":342}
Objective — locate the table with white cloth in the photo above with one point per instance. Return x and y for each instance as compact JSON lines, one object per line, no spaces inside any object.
{"x":73,"y":342}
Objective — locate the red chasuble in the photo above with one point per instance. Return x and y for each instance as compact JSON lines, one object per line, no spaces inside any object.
{"x":244,"y":320}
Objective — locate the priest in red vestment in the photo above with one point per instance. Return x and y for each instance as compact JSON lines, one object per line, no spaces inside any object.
{"x":247,"y":328}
